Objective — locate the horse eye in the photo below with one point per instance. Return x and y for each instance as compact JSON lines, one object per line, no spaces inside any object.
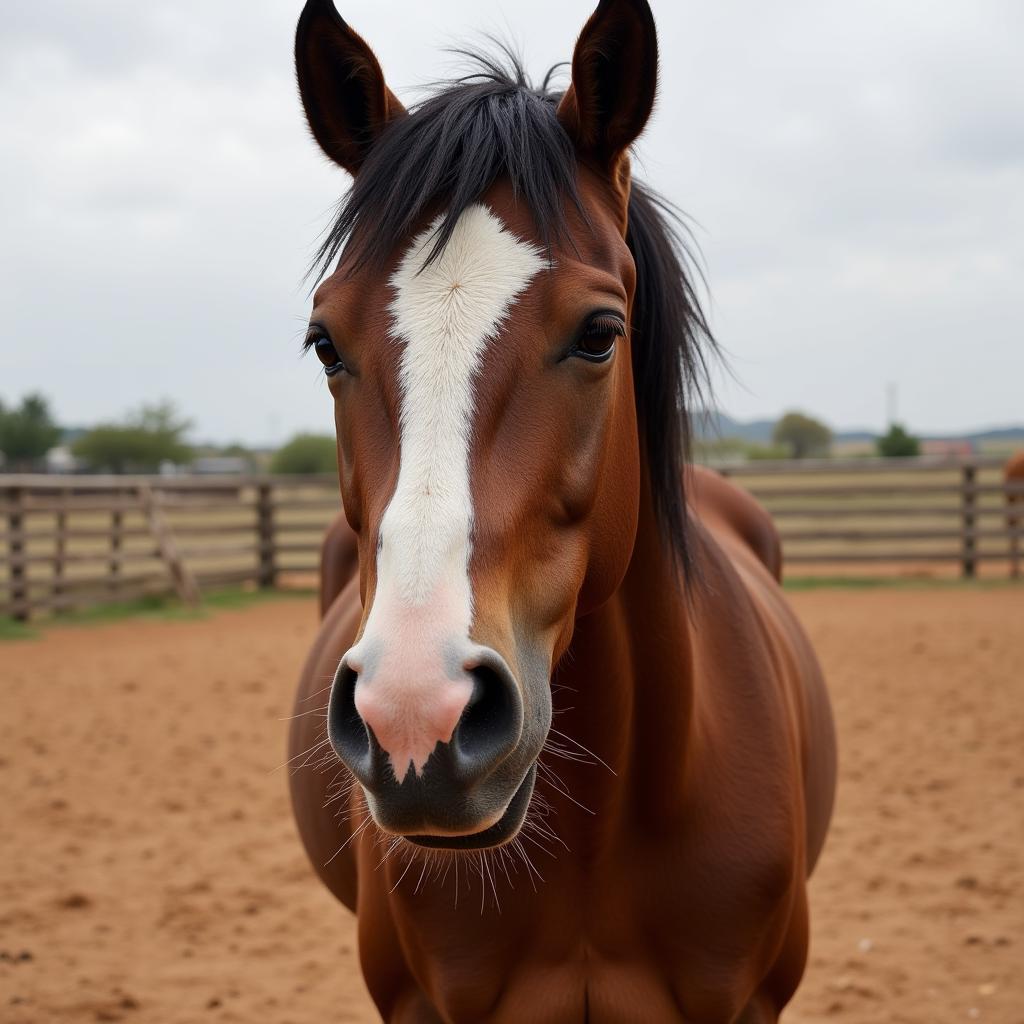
{"x":327,"y":354}
{"x":597,"y":341}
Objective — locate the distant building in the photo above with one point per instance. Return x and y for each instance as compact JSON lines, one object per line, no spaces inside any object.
{"x":60,"y":460}
{"x":221,"y":465}
{"x":947,"y":446}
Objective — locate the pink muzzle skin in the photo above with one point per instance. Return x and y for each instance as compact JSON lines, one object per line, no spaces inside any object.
{"x":411,"y":712}
{"x":412,"y":690}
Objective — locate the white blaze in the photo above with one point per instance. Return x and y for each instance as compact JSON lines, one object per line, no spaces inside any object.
{"x":444,"y":315}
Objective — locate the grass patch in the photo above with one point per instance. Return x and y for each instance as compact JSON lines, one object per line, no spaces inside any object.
{"x":242,"y":597}
{"x":167,"y":608}
{"x":10,"y":629}
{"x":161,"y":607}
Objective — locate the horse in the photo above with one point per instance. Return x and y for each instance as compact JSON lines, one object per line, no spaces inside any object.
{"x":1013,"y":480}
{"x":560,"y":743}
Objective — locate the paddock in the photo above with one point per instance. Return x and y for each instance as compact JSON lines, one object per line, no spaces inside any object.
{"x":151,"y":871}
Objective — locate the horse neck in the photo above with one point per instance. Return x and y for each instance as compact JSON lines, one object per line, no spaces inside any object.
{"x":629,"y":689}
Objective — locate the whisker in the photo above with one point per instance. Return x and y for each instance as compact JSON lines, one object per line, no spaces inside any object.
{"x":357,"y":832}
{"x":549,"y":776}
{"x":316,"y":693}
{"x":447,"y":861}
{"x":547,"y":835}
{"x":483,"y":887}
{"x":530,"y":867}
{"x":321,"y":710}
{"x":307,"y":754}
{"x":392,"y":846}
{"x":567,"y":755}
{"x":490,"y":875}
{"x":586,"y":750}
{"x":503,"y":864}
{"x":402,"y":875}
{"x":419,"y":882}
{"x":344,"y":790}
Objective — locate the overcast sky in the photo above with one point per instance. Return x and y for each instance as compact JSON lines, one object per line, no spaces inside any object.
{"x":856,"y":170}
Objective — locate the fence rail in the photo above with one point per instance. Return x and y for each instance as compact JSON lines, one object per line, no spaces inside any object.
{"x":891,"y":512}
{"x":66,"y":542}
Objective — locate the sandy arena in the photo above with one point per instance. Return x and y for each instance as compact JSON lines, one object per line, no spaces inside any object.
{"x":151,"y":872}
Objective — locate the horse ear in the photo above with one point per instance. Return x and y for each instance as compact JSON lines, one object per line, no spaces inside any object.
{"x":347,"y":102}
{"x":614,"y":78}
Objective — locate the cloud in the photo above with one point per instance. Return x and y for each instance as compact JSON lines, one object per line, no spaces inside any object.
{"x":857,"y":172}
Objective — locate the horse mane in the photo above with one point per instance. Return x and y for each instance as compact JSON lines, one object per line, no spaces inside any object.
{"x":448,"y":151}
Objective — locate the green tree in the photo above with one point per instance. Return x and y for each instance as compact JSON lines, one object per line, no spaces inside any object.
{"x":152,"y":435}
{"x":765,"y":452}
{"x":27,"y":433}
{"x":802,"y":435}
{"x":306,"y":453}
{"x":897,"y":443}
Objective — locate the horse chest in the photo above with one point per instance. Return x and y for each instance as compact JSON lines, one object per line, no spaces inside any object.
{"x":649,"y":944}
{"x":590,"y":988}
{"x":590,"y":991}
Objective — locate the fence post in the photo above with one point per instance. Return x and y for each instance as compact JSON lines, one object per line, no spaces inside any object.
{"x":116,"y":522}
{"x":267,"y":573}
{"x":968,"y":498}
{"x":184,"y":582}
{"x":60,"y":549}
{"x":1014,"y":521}
{"x":16,"y":554}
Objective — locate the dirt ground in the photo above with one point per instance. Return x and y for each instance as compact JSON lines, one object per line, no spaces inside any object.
{"x":150,"y":871}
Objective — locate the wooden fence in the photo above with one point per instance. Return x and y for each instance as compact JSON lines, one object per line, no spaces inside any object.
{"x":73,"y":541}
{"x":890,"y":514}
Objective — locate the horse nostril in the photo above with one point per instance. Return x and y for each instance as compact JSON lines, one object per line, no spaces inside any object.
{"x":345,"y":728}
{"x":464,"y":740}
{"x":492,"y":722}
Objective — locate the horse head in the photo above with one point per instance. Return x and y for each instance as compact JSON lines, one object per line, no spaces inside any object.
{"x":478,"y":330}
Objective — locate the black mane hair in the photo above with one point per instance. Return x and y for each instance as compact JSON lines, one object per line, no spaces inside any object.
{"x":448,"y":151}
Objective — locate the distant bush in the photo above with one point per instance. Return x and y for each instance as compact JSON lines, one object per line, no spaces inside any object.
{"x":718,"y":449}
{"x":306,"y":453}
{"x":735,"y":449}
{"x":27,"y":433}
{"x":148,"y":438}
{"x":897,"y":443}
{"x":802,"y":436}
{"x":766,"y":452}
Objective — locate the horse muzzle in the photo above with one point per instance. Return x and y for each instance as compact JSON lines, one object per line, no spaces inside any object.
{"x":438,"y":758}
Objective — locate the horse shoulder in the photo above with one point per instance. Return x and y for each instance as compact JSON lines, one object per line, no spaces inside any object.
{"x":761,"y":775}
{"x":742,"y":552}
{"x":1014,"y":468}
{"x":732,"y":513}
{"x":339,"y":561}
